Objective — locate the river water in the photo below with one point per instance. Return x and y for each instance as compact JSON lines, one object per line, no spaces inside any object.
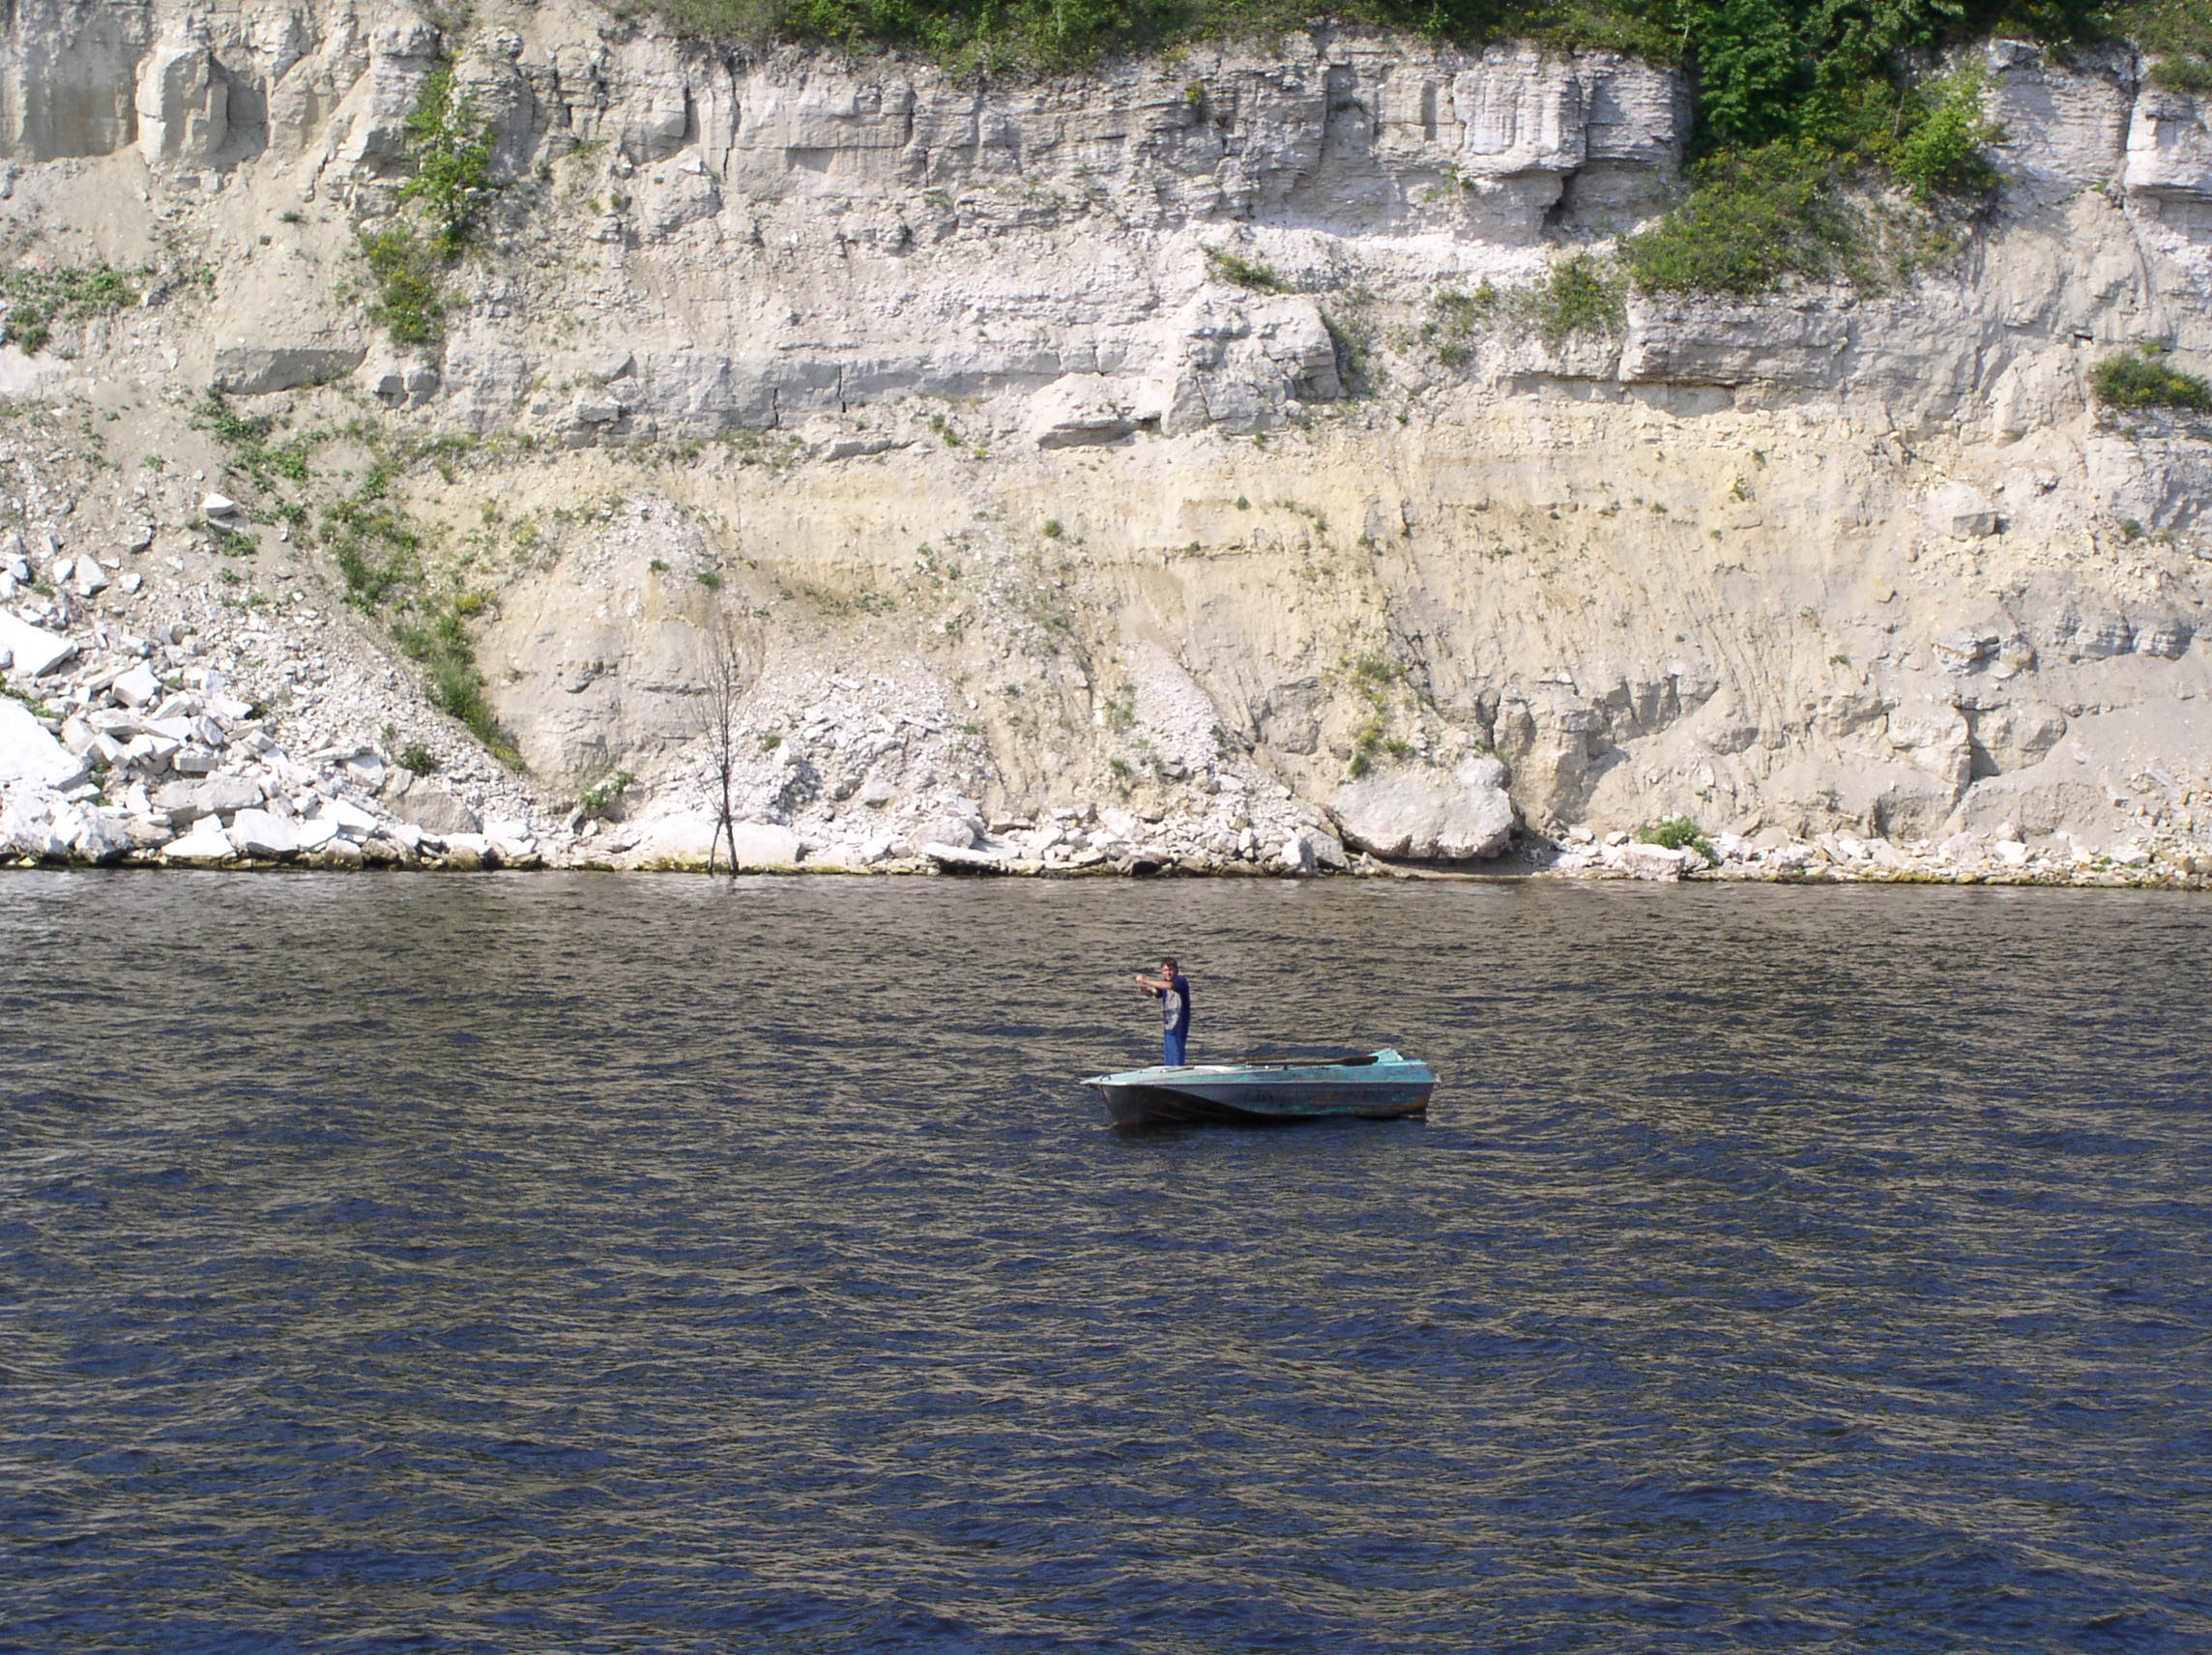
{"x":607,"y":1264}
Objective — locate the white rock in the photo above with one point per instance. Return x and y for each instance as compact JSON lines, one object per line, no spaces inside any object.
{"x":1960,"y":850}
{"x":28,"y":754}
{"x":953,"y":857}
{"x":466,"y":848}
{"x":219,"y":506}
{"x":945,"y":830}
{"x":2012,"y":852}
{"x":516,"y":851}
{"x":315,"y":832}
{"x":351,"y":820}
{"x":1427,"y":814}
{"x":90,"y":579}
{"x":263,"y":834}
{"x":32,"y":651}
{"x":27,"y":833}
{"x":1655,"y":861}
{"x":205,"y":843}
{"x":137,"y":687}
{"x":764,"y":845}
{"x":102,"y":837}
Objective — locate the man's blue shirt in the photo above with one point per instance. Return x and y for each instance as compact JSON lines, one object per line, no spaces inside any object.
{"x":1175,"y":1005}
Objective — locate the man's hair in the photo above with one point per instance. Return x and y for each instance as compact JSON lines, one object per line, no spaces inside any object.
{"x":1171,"y":962}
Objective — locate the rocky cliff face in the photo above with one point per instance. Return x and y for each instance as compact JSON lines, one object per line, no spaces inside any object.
{"x":1201,"y":439}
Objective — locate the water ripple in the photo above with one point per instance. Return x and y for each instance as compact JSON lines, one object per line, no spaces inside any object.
{"x":599,"y":1264}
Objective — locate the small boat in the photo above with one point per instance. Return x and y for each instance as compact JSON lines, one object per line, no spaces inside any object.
{"x":1262,"y":1091}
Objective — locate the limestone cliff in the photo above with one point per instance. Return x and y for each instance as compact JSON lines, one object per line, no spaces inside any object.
{"x":1189,"y":437}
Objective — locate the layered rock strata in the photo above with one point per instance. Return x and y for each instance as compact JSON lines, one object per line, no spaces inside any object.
{"x":1190,"y":441}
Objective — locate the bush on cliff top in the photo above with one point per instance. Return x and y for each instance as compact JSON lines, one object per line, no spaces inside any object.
{"x":1759,"y":62}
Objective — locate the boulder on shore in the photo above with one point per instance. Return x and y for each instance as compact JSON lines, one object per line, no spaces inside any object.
{"x":1427,"y":814}
{"x":27,"y":753}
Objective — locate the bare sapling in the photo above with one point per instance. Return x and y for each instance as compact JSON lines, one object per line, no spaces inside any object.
{"x":724,"y":688}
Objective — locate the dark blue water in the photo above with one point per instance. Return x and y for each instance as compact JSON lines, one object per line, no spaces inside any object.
{"x":600,"y":1264}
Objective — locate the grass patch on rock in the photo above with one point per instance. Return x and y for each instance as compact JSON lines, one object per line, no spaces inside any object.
{"x":37,"y":299}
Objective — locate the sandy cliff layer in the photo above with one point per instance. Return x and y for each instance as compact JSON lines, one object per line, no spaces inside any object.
{"x":1182,"y":439}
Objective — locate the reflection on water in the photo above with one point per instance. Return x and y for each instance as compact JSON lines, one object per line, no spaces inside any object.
{"x":612,"y":1263}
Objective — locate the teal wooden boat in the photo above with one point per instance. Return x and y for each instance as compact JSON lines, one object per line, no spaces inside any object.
{"x":1266,"y":1091}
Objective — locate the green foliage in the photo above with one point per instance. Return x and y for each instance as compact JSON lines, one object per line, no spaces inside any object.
{"x":409,"y":303}
{"x":1941,"y":153}
{"x":37,"y":299}
{"x":1054,"y":35}
{"x":420,"y":760}
{"x":596,"y":799}
{"x":1677,"y":834}
{"x":2183,"y":73}
{"x":440,"y":641}
{"x":1752,"y":220}
{"x":247,"y":438}
{"x":1578,"y":295}
{"x":450,"y":148}
{"x":1229,"y":267}
{"x":2177,"y":34}
{"x":2141,"y":379}
{"x":376,"y":550}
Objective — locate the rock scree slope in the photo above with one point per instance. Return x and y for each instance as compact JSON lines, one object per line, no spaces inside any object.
{"x":1248,"y":458}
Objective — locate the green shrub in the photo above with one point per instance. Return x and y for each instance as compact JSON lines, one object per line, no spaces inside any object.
{"x":420,"y":760}
{"x":409,"y":303}
{"x":456,"y":683}
{"x":1677,"y":834}
{"x":595,"y":800}
{"x":452,"y":152}
{"x":2139,"y":379}
{"x":1751,"y":220}
{"x":1941,"y":154}
{"x":1577,"y":294}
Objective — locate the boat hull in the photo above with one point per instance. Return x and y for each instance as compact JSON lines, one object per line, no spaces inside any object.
{"x":1164,"y":1106}
{"x":1382,"y":1088}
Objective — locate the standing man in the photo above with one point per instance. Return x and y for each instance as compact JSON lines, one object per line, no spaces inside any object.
{"x":1172,"y":989}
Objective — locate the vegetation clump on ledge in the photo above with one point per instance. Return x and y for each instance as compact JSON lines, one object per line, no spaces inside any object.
{"x":1680,"y":833}
{"x":2139,"y":379}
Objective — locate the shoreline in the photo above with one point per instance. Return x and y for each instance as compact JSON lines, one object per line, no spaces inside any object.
{"x":1508,"y":870}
